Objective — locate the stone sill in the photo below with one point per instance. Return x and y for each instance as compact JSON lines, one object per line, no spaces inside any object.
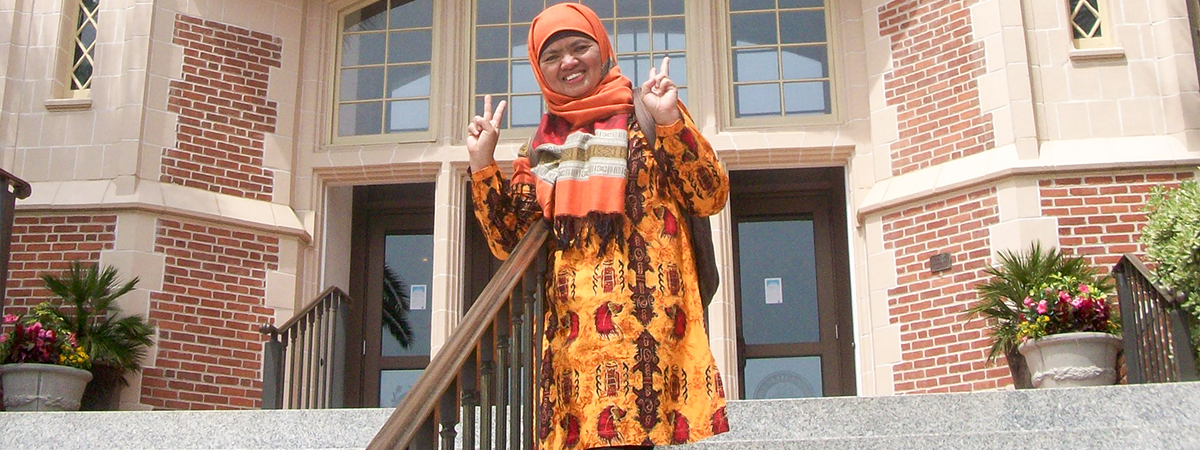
{"x":1097,"y":54}
{"x":69,"y":104}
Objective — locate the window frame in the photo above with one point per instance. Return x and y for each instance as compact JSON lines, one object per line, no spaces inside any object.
{"x":436,"y":63}
{"x":726,"y":100}
{"x":63,"y":96}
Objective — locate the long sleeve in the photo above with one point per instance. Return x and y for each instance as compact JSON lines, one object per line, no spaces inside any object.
{"x":699,"y":180}
{"x":505,"y":210}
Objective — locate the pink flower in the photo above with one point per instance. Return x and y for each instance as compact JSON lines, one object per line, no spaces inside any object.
{"x":1028,"y":302}
{"x":1042,"y":307}
{"x":1083,"y":288}
{"x":1064,"y":296}
{"x":1077,"y":302}
{"x":10,"y":318}
{"x":3,"y":337}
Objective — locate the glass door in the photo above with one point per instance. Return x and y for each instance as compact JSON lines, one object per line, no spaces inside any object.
{"x":794,"y":336}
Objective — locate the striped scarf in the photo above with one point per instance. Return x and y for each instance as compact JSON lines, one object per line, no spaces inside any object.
{"x":579,"y":176}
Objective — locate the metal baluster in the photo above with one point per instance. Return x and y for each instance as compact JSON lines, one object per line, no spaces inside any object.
{"x":297,"y":358}
{"x":448,"y":416}
{"x":486,"y":388}
{"x":516,"y":414}
{"x":500,"y":431}
{"x":319,"y":380}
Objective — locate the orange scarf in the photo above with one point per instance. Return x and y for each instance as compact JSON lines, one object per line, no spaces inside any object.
{"x":613,"y":95}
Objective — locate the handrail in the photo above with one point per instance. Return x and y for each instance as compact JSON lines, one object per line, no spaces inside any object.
{"x":413,"y":414}
{"x":303,"y":365}
{"x":1156,"y":338}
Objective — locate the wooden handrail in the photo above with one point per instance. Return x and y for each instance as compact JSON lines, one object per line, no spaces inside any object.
{"x":420,"y":401}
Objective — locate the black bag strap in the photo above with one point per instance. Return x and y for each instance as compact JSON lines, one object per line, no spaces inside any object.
{"x":702,"y":243}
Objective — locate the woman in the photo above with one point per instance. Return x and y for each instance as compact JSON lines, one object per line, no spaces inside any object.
{"x":626,"y":360}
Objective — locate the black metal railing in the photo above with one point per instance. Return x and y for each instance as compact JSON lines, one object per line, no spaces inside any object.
{"x":303,"y":362}
{"x":13,"y":188}
{"x":483,"y":378}
{"x":1154,"y":327}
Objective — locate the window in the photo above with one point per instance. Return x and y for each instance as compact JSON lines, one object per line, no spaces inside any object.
{"x":642,"y":32}
{"x":384,"y":69}
{"x":1087,"y":23}
{"x":84,"y":39}
{"x":779,"y":58}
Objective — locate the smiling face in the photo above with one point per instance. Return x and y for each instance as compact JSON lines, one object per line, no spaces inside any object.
{"x":571,"y":64}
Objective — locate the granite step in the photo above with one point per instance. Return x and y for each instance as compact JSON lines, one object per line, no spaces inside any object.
{"x":1114,"y":417}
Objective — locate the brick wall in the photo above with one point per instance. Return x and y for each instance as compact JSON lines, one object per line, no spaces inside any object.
{"x":43,"y":244}
{"x":223,"y":109}
{"x":935,"y":63}
{"x":208,"y":313}
{"x":1100,"y":216}
{"x":942,"y":348}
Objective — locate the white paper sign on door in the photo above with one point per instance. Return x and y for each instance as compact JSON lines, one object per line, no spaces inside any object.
{"x":774,"y":288}
{"x":416,"y":297}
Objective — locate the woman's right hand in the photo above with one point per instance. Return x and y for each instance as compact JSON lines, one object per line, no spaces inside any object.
{"x":482,"y":134}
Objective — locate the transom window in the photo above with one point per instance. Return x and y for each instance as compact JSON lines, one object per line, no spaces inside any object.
{"x":642,"y":32}
{"x":384,"y":68}
{"x":779,"y":58}
{"x":85,"y":45}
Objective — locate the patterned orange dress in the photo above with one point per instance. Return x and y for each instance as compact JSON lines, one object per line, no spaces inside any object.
{"x":626,"y":357}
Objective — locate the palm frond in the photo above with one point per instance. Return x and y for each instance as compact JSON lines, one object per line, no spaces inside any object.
{"x":395,"y":307}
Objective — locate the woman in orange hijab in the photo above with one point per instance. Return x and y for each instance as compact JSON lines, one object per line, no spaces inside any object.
{"x":626,"y":361}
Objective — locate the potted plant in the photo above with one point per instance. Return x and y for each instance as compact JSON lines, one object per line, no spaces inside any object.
{"x":42,"y":365}
{"x":1067,"y":333}
{"x":1001,"y":298}
{"x":117,"y":343}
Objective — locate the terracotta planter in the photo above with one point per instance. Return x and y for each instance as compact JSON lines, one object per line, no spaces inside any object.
{"x":43,"y":387}
{"x":1072,"y":359}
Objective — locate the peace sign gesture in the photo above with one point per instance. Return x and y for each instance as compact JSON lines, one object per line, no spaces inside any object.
{"x":482,"y":134}
{"x":660,"y":95}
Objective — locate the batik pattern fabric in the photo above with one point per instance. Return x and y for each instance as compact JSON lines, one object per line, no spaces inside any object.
{"x":626,"y":359}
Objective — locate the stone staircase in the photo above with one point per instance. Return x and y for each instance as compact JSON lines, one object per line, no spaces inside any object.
{"x":1153,"y":416}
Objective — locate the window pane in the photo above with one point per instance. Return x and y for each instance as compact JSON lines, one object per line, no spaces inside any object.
{"x":603,"y":8}
{"x":636,"y":68}
{"x":362,"y":84}
{"x":753,"y":29}
{"x":520,"y":36}
{"x":677,"y":70}
{"x":491,"y":77}
{"x":747,"y":5}
{"x":668,"y":34}
{"x":683,"y":95}
{"x":87,"y":35}
{"x":523,"y":10}
{"x":668,"y":7}
{"x":409,"y":46}
{"x":411,"y":14}
{"x":360,"y":119}
{"x":757,"y":100}
{"x":755,"y":65}
{"x":393,"y":384}
{"x":522,"y":78}
{"x":526,"y":111}
{"x":778,"y":291}
{"x":362,"y":49}
{"x":372,"y":17}
{"x":783,"y":378}
{"x":491,"y":42}
{"x":800,"y":27}
{"x":491,"y":12}
{"x":633,"y":8}
{"x":807,"y":98}
{"x":408,"y":81}
{"x":633,"y":36}
{"x":82,"y":75}
{"x":805,"y":62}
{"x":408,"y":115}
{"x":409,"y":258}
{"x":801,"y":3}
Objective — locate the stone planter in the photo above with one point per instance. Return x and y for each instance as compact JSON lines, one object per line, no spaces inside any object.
{"x":1072,"y":359}
{"x":43,"y":387}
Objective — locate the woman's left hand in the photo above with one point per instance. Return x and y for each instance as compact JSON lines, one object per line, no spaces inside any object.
{"x":660,"y":96}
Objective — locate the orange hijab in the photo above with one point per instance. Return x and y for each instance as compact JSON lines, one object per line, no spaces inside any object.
{"x":611,"y":96}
